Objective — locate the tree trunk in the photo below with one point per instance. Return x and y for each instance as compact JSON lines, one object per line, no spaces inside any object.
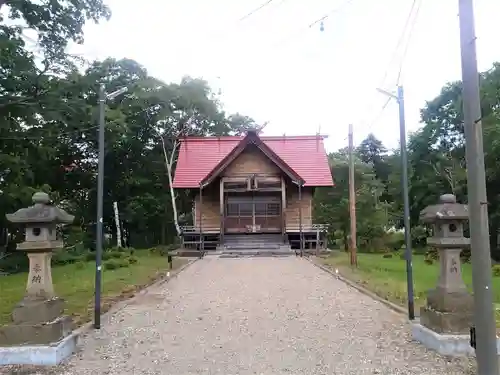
{"x":169,"y":164}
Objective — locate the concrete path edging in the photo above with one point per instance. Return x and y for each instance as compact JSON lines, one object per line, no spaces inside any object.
{"x":85,"y":328}
{"x":369,"y":293}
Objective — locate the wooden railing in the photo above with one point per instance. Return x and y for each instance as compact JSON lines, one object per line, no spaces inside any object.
{"x":289,"y":228}
{"x":187,"y":229}
{"x":307,"y":228}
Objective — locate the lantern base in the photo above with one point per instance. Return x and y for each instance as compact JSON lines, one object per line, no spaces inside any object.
{"x":36,"y":334}
{"x":30,"y":311}
{"x":457,"y":301}
{"x":455,"y":323}
{"x":39,"y":355}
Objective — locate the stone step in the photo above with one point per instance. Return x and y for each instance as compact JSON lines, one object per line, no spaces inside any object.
{"x":256,"y":252}
{"x":253,"y":240}
{"x":251,"y":246}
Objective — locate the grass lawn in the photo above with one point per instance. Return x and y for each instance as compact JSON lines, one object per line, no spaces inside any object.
{"x":75,"y":283}
{"x":387,"y":276}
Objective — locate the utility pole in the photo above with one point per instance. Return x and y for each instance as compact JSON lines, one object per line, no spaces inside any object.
{"x":484,"y":314}
{"x":406,"y":203}
{"x":100,"y":200}
{"x":352,"y":201}
{"x":406,"y":199}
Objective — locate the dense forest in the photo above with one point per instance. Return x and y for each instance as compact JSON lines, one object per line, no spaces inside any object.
{"x":48,"y":128}
{"x":48,"y":141}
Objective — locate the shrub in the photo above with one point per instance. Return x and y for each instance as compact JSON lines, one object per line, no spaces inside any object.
{"x":14,"y":262}
{"x":496,"y":270}
{"x":132,"y":259}
{"x":163,"y":250}
{"x":113,"y":264}
{"x":428,"y":261}
{"x":399,"y":254}
{"x":154,"y":250}
{"x":465,"y":255}
{"x":116,"y":254}
{"x":419,"y":236}
{"x":90,"y":256}
{"x":62,"y":257}
{"x":432,"y":253}
{"x":387,"y":256}
{"x":395,"y":240}
{"x":123,"y":262}
{"x":106,"y":255}
{"x":116,"y":249}
{"x":419,"y":250}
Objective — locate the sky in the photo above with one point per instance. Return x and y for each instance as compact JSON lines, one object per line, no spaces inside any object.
{"x":275,"y":68}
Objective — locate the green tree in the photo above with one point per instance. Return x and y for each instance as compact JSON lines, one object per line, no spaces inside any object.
{"x":331,"y":205}
{"x":48,"y":126}
{"x":372,"y":151}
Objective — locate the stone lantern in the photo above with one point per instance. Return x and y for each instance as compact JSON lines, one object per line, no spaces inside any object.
{"x":37,"y":319}
{"x":446,"y":318}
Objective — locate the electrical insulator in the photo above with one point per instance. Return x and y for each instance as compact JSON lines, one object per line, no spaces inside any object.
{"x":321,"y":26}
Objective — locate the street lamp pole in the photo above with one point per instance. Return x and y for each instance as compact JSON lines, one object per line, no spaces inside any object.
{"x":399,"y":97}
{"x":100,"y":199}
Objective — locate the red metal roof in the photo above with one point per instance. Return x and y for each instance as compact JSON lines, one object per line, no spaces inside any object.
{"x":198,"y":156}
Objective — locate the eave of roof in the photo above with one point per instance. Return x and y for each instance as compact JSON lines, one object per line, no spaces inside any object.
{"x":305,"y":155}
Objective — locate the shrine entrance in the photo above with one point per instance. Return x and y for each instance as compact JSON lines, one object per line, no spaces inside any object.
{"x":253,"y":213}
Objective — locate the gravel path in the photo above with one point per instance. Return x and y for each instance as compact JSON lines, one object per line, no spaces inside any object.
{"x":256,"y":316}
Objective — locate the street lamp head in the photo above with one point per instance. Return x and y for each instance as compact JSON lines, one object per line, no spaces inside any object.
{"x":116,"y":93}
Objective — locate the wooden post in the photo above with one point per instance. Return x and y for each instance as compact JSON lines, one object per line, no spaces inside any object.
{"x":201,"y":220}
{"x":300,"y":219}
{"x":317,"y":242}
{"x":221,"y":211}
{"x":283,"y":207}
{"x":352,"y":201}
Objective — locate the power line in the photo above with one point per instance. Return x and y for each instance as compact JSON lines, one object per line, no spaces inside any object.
{"x":407,"y":26}
{"x":407,"y":30}
{"x":223,"y":31}
{"x":410,"y":33}
{"x":380,"y":113}
{"x":374,"y":120}
{"x":299,"y":32}
{"x":333,"y":11}
{"x":252,"y":12}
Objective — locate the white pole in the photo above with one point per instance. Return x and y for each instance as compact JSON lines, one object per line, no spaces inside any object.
{"x":117,"y":222}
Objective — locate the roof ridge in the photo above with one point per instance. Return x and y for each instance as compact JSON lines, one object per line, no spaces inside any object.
{"x":264,"y":138}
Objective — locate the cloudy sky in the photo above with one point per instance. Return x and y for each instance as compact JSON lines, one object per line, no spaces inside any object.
{"x":274,"y":67}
